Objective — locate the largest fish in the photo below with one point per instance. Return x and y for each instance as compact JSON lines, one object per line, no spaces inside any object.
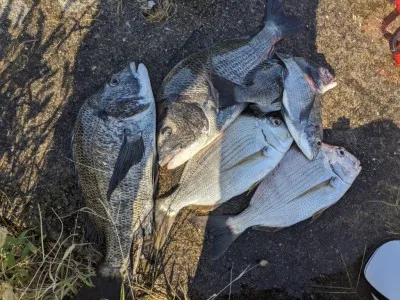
{"x":114,"y":153}
{"x":190,"y":96}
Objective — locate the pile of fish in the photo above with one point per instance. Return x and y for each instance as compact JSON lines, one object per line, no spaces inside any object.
{"x":236,"y":116}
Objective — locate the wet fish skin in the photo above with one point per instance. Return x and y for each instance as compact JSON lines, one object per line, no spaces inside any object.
{"x":264,"y":88}
{"x":264,"y":85}
{"x":239,"y":158}
{"x":322,"y":77}
{"x":213,"y":71}
{"x":114,"y":154}
{"x":301,"y":108}
{"x":296,"y":190}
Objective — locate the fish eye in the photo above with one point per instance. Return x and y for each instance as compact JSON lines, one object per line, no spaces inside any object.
{"x":166,"y":131}
{"x":114,"y":80}
{"x":319,"y":143}
{"x":276,"y":122}
{"x":341,"y":152}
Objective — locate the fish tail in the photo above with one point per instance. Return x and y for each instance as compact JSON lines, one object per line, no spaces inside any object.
{"x":104,"y":288}
{"x":276,"y":16}
{"x":221,"y":232}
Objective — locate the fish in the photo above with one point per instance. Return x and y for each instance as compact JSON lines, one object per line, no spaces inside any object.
{"x":301,"y":107}
{"x":239,"y":158}
{"x":294,"y":191}
{"x":264,"y":84}
{"x":114,"y":152}
{"x":193,"y":98}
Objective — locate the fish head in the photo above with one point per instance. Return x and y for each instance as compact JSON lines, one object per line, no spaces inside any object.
{"x":277,"y":134}
{"x":321,"y":77}
{"x":127,"y":94}
{"x":309,"y":144}
{"x":344,"y":164}
{"x":325,"y":80}
{"x":182,"y":133}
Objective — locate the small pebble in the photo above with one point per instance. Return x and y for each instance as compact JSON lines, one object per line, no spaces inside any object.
{"x":263,"y":263}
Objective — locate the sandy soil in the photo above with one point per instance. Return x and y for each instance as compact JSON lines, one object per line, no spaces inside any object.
{"x":54,"y":54}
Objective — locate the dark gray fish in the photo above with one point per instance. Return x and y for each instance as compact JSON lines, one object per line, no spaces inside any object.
{"x":114,"y":154}
{"x":295,"y":190}
{"x":265,"y":84}
{"x":206,"y":79}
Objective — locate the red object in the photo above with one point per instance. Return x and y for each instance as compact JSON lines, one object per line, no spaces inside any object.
{"x":396,"y":57}
{"x":397,"y":3}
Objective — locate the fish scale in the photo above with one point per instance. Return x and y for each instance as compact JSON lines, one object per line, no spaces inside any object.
{"x":254,"y":55}
{"x":298,"y":173}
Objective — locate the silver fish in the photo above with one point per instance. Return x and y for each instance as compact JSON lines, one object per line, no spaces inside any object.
{"x":302,"y":107}
{"x":237,"y":159}
{"x":114,"y":154}
{"x":296,"y":190}
{"x":191,"y":94}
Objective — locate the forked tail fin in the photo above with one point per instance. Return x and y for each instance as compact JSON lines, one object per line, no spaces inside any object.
{"x":276,"y":16}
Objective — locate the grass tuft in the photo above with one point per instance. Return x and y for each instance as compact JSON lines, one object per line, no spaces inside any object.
{"x":160,"y":12}
{"x":32,"y":267}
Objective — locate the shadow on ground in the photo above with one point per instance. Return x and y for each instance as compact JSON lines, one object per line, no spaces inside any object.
{"x":34,"y":86}
{"x":300,"y":257}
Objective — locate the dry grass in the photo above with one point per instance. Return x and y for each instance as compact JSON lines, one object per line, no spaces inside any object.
{"x":160,"y":12}
{"x":232,"y":280}
{"x":351,"y":289}
{"x":392,"y":228}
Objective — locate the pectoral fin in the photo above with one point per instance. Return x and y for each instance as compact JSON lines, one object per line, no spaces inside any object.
{"x":267,"y":229}
{"x":131,"y":152}
{"x":225,"y":91}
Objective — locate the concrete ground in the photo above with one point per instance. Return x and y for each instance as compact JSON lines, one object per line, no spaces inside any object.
{"x":54,"y":54}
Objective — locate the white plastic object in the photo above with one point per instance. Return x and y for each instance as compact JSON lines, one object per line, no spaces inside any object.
{"x":383,"y":270}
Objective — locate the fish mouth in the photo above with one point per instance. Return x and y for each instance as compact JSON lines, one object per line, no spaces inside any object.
{"x":164,"y":160}
{"x":308,"y":150}
{"x":357,"y":166}
{"x":329,"y":84}
{"x":132,"y":68}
